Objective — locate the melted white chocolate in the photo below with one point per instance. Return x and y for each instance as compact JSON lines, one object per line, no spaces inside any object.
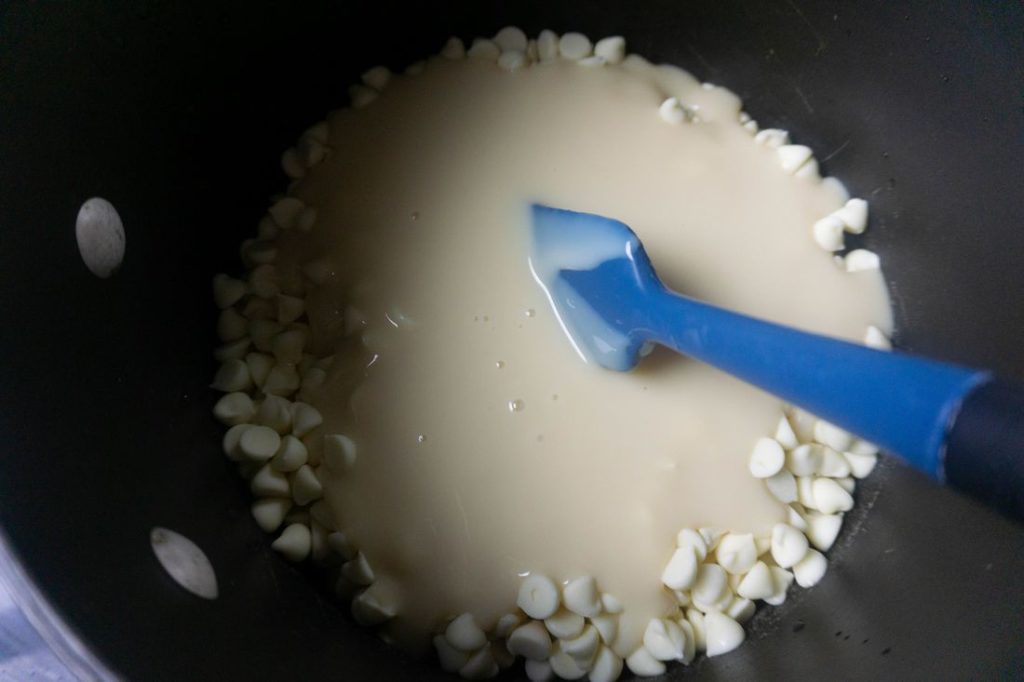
{"x":486,"y":448}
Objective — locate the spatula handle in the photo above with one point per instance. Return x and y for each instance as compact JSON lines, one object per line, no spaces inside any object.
{"x":905,"y":404}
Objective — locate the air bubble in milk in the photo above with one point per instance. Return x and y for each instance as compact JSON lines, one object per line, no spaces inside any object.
{"x":516,"y":405}
{"x":499,"y":364}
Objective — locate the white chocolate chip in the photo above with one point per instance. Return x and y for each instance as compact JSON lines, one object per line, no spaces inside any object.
{"x":510,"y":60}
{"x":767,"y":459}
{"x":564,"y":666}
{"x":531,"y":641}
{"x":795,"y":519}
{"x":861,"y":260}
{"x":269,"y":512}
{"x":233,"y":350}
{"x":722,"y":633}
{"x":538,"y":596}
{"x":480,"y":666}
{"x":860,"y":465}
{"x":736,"y":553}
{"x":306,"y":486}
{"x":828,"y":233}
{"x":805,"y":460}
{"x":607,"y":626}
{"x":358,"y":571}
{"x":506,"y":624}
{"x":592,"y":60}
{"x":610,"y":603}
{"x":607,"y":666}
{"x":484,"y":49}
{"x":808,"y":171}
{"x":289,"y":308}
{"x":377,"y":77}
{"x":782,"y":580}
{"x":711,"y":585}
{"x":282,"y":380}
{"x":823,"y":529}
{"x":664,"y":639}
{"x":789,"y":545}
{"x":681,"y":570}
{"x":294,"y":543}
{"x":464,"y":634}
{"x":511,"y":38}
{"x":285,"y":211}
{"x":339,"y":452}
{"x":305,"y":418}
{"x":772,"y":138}
{"x":847,"y":483}
{"x":583,"y":647}
{"x":564,"y":624}
{"x":275,"y":412}
{"x":690,"y":648}
{"x":453,"y":49}
{"x":262,"y":333}
{"x":291,"y":164}
{"x":612,"y":49}
{"x":811,"y":569}
{"x":785,"y":435}
{"x":642,"y":663}
{"x":696,"y":620}
{"x":361,"y":96}
{"x":574,"y":46}
{"x":310,"y":153}
{"x":290,"y":456}
{"x":688,"y":537}
{"x":270,"y":483}
{"x":805,"y":491}
{"x":288,"y":345}
{"x":450,"y":658}
{"x":757,"y":583}
{"x":782,"y":486}
{"x":368,"y":610}
{"x":854,"y":215}
{"x":581,"y":596}
{"x":711,"y":537}
{"x":671,"y":111}
{"x":259,"y":365}
{"x":259,"y":443}
{"x":793,"y":156}
{"x":232,"y":376}
{"x":234,"y":408}
{"x":539,"y":671}
{"x":741,"y":610}
{"x":231,"y":440}
{"x":834,"y":465}
{"x":321,"y":512}
{"x":829,"y":496}
{"x":831,"y":435}
{"x":547,"y":46}
{"x":228,"y":291}
{"x":875,"y":338}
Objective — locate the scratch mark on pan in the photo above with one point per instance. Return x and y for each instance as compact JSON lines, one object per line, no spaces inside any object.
{"x":817,"y":36}
{"x":837,"y":150}
{"x":803,"y":98}
{"x":700,"y":58}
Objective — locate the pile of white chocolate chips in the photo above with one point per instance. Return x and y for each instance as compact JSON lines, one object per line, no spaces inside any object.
{"x":312,"y":326}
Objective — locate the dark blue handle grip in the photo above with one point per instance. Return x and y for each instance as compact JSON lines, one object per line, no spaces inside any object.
{"x":902,"y":403}
{"x":985,"y":448}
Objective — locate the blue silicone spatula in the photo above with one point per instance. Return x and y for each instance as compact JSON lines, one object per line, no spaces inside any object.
{"x":962,"y":426}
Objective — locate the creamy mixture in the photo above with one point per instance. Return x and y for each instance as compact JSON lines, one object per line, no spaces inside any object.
{"x":484,"y":449}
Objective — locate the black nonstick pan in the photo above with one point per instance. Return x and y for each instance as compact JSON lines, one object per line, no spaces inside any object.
{"x":177,"y":113}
